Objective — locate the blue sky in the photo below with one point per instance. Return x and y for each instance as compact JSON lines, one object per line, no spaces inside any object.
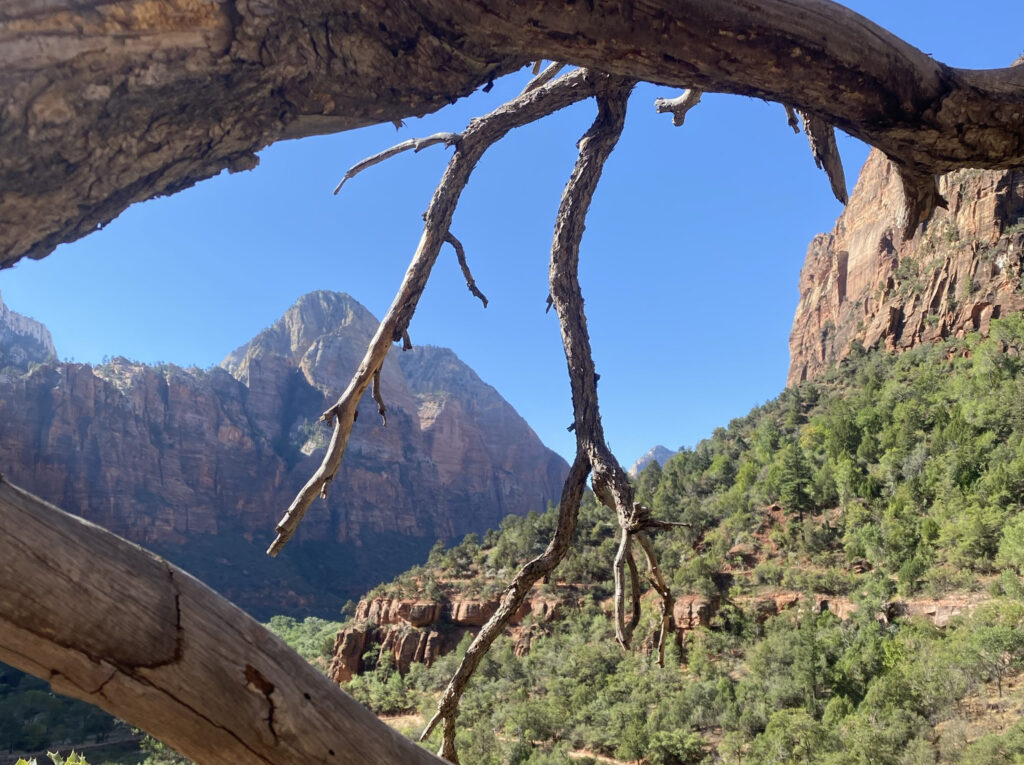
{"x":689,"y":263}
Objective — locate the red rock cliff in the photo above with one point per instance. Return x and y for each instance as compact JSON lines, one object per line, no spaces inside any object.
{"x":199,"y":465}
{"x":860,"y":283}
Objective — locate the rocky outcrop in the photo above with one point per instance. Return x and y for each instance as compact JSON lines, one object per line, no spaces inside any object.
{"x":659,"y":454}
{"x":862,"y":284}
{"x":23,"y":342}
{"x":199,"y":465}
{"x":419,"y":631}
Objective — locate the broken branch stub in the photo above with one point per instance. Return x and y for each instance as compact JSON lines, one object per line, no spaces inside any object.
{"x":678,"y":106}
{"x":822,"y":138}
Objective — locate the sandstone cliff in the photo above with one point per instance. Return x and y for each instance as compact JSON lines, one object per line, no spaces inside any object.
{"x":23,"y":342}
{"x":961,"y":269}
{"x":199,"y":465}
{"x":413,"y":630}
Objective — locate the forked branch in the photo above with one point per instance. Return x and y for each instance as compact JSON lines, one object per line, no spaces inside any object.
{"x":470,"y":146}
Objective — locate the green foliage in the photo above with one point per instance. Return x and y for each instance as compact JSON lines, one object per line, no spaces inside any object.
{"x":311,"y":638}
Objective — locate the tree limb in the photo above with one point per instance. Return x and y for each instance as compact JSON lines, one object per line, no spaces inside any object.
{"x":111,"y":106}
{"x":822,"y":138}
{"x":475,"y":140}
{"x":415,"y":144}
{"x":679,"y":105}
{"x":114,"y":625}
{"x":460,"y":253}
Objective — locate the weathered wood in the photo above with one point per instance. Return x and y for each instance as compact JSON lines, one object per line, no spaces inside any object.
{"x":110,"y":623}
{"x":106,"y":104}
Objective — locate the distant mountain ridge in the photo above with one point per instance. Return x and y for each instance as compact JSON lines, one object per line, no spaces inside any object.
{"x":199,"y":465}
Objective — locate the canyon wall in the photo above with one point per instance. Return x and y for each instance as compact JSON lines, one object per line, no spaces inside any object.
{"x":199,"y":465}
{"x":862,"y":284}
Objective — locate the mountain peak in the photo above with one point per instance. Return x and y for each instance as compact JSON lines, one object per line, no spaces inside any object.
{"x":312,"y":317}
{"x":659,"y":454}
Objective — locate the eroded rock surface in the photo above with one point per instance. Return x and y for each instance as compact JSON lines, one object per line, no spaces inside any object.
{"x":861,"y":283}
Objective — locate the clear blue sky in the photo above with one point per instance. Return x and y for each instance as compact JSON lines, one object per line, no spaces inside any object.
{"x":689,"y":265}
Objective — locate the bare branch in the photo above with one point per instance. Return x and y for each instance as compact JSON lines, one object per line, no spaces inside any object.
{"x":594,"y":148}
{"x":475,"y":140}
{"x":822,"y":138}
{"x":512,"y":598}
{"x":544,"y":77}
{"x":460,"y":253}
{"x":416,"y":144}
{"x":381,"y":409}
{"x":663,"y":590}
{"x":679,"y":105}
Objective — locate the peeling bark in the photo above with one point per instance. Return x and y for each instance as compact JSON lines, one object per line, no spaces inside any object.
{"x":108,"y":104}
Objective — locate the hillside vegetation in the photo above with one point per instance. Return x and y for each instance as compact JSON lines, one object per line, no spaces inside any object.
{"x":852,"y":562}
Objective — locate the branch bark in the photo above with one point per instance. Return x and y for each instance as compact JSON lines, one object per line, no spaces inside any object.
{"x":109,"y":623}
{"x":112,"y":103}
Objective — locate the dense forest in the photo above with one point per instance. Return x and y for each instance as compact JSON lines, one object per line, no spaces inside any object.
{"x":894,"y":481}
{"x":854,"y":553}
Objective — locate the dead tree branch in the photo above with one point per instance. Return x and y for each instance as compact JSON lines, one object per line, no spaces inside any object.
{"x":416,"y":144}
{"x":594,"y":148}
{"x":822,"y":138}
{"x":107,"y":622}
{"x":542,"y":78}
{"x":460,"y":253}
{"x":473,"y":142}
{"x":679,"y":105}
{"x":381,"y":409}
{"x":791,"y":119}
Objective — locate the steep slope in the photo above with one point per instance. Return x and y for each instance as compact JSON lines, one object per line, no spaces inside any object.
{"x":199,"y":465}
{"x":860,"y":284}
{"x":23,"y":341}
{"x":847,"y":589}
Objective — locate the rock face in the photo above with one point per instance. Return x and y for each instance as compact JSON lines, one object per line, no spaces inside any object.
{"x":419,"y":631}
{"x":23,"y":342}
{"x":199,"y":465}
{"x":961,"y":269}
{"x":659,"y":454}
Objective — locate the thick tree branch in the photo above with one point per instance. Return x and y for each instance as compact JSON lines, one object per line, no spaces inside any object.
{"x":112,"y":103}
{"x":109,"y":623}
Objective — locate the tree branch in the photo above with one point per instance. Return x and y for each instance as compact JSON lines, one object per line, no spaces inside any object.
{"x":415,"y":144}
{"x":822,"y":138}
{"x":679,"y":105}
{"x":114,"y":625}
{"x":116,"y":128}
{"x":460,"y":253}
{"x":475,"y":140}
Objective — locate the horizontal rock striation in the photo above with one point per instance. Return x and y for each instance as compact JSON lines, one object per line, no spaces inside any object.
{"x":862,"y":284}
